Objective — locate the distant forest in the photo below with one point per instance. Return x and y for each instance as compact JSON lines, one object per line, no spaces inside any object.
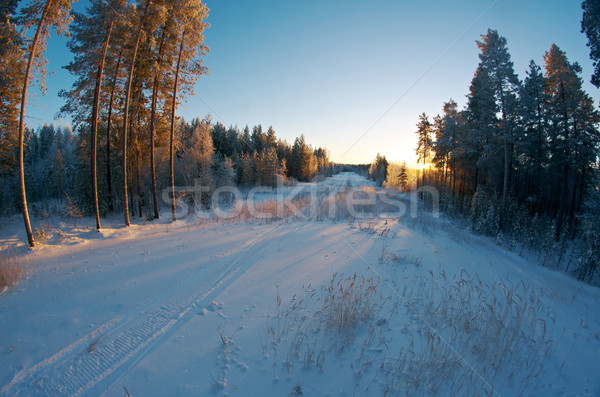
{"x":57,"y":166}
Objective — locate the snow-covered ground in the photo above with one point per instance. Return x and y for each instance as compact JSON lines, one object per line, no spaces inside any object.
{"x":293,"y":307}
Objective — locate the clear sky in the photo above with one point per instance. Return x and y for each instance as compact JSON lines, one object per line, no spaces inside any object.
{"x":352,"y":76}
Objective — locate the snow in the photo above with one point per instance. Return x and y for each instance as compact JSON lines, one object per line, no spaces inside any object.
{"x":214,"y":308}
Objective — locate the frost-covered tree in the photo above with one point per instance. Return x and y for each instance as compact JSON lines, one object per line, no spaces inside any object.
{"x":403,"y":177}
{"x":189,"y":16}
{"x":534,"y":140}
{"x":198,"y":161}
{"x":91,"y":36}
{"x":223,"y":171}
{"x":574,"y":138}
{"x":268,"y":167}
{"x":496,"y":61}
{"x":303,"y":163}
{"x":136,"y":35}
{"x":379,"y":169}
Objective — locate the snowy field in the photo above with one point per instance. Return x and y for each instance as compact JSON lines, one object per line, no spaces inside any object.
{"x":396,"y":306}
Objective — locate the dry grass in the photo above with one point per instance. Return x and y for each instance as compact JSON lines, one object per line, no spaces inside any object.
{"x":319,"y":322}
{"x":349,"y":302}
{"x":11,"y":269}
{"x":455,"y":336}
{"x":473,"y":338}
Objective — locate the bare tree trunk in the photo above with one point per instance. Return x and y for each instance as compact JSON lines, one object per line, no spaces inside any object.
{"x":505,"y":182}
{"x":575,"y":224}
{"x":453,"y":170}
{"x":139,"y":181}
{"x":126,"y":114}
{"x":152,"y":127}
{"x":95,"y":124}
{"x":108,"y":133}
{"x":174,"y":206}
{"x":22,"y":127}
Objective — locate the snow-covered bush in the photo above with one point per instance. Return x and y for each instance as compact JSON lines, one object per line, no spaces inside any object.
{"x":588,"y":250}
{"x":484,"y":214}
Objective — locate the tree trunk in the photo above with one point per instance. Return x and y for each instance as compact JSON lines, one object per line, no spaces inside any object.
{"x":95,"y":123}
{"x":108,"y":133}
{"x":139,"y":181}
{"x":126,"y":114}
{"x":539,"y":156}
{"x":505,"y":182}
{"x":562,"y":214}
{"x":174,"y":206}
{"x":152,"y":127}
{"x":423,"y":180}
{"x":21,"y":125}
{"x":579,"y":202}
{"x":453,"y":171}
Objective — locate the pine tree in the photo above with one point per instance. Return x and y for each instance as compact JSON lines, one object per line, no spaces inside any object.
{"x":495,"y":58}
{"x":257,"y":138}
{"x":58,"y":174}
{"x":248,"y":170}
{"x":92,"y":30}
{"x":267,"y":168}
{"x":270,"y":138}
{"x":282,"y":169}
{"x":481,"y":131}
{"x":378,"y":169}
{"x":11,"y":69}
{"x":403,"y":177}
{"x":303,"y":163}
{"x":448,"y":132}
{"x":424,"y":143}
{"x":534,"y":140}
{"x":190,"y":15}
{"x":45,"y":15}
{"x":200,"y":160}
{"x":164,"y":50}
{"x":574,"y":136}
{"x":223,"y":171}
{"x":133,"y":56}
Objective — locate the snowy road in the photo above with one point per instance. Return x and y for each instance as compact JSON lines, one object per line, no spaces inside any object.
{"x":114,"y":347}
{"x":181,"y":309}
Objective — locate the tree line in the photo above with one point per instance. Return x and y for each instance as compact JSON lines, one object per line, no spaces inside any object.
{"x":519,"y":151}
{"x":134,"y":62}
{"x":57,"y":164}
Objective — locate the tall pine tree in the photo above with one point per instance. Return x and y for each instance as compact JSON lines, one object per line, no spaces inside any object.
{"x":495,"y":59}
{"x":44,"y":15}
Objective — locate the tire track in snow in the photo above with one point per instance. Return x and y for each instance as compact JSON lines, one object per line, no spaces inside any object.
{"x":92,"y":359}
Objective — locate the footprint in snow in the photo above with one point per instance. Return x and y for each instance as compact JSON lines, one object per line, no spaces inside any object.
{"x":211,"y":307}
{"x":214,"y":306}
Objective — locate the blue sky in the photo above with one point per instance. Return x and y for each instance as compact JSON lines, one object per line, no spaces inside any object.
{"x":337,"y":70}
